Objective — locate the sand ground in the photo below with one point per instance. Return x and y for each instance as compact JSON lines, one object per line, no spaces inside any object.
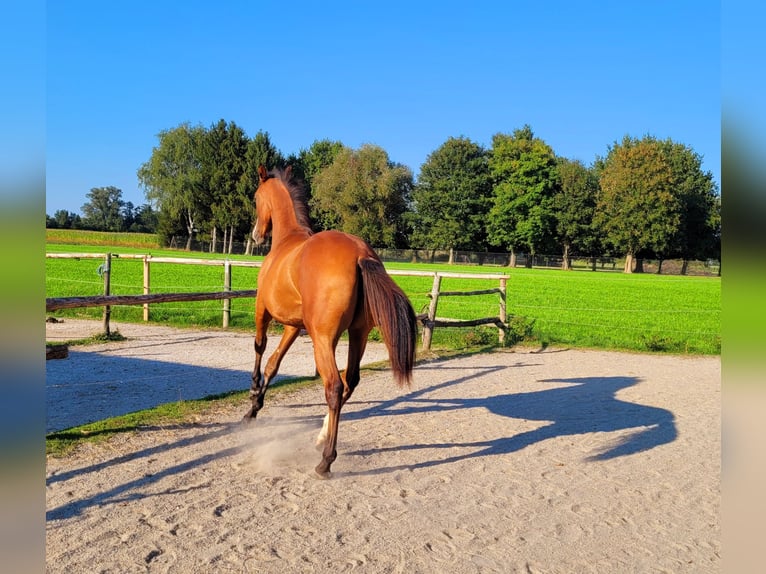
{"x":528,"y":461}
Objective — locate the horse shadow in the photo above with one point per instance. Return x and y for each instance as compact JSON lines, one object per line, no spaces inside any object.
{"x":586,"y":405}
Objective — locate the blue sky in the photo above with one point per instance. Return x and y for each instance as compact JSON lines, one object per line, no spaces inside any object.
{"x":403,"y":75}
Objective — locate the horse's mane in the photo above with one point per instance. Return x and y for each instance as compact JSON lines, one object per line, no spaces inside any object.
{"x":297,"y":191}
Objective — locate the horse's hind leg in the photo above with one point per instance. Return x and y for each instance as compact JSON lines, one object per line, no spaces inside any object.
{"x":333,"y":389}
{"x":357,"y":343}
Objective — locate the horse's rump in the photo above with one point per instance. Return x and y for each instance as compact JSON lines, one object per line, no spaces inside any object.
{"x":338,"y":262}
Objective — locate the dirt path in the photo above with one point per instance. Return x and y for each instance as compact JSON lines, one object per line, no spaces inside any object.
{"x":557,"y":461}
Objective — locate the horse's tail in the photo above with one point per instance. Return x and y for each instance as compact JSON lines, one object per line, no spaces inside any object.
{"x":393,"y":314}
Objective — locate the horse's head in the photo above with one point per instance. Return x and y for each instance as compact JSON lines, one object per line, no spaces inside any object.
{"x":279,"y":199}
{"x":262,"y":207}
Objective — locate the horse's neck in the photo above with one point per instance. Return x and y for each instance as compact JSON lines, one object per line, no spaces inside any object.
{"x":285,"y":226}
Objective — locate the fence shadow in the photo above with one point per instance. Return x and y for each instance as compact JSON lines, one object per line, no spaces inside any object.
{"x":91,"y":392}
{"x":98,"y":389}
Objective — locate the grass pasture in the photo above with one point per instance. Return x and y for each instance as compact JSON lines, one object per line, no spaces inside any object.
{"x":655,"y":313}
{"x":639,"y":312}
{"x":81,"y":237}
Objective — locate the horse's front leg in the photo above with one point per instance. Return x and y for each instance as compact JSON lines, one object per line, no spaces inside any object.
{"x":261,"y":383}
{"x":257,"y":387}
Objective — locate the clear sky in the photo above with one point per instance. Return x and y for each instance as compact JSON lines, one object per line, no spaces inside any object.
{"x":402,"y":75}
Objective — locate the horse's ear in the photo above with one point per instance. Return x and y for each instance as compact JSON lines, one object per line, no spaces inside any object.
{"x":262,"y":173}
{"x":288,"y":172}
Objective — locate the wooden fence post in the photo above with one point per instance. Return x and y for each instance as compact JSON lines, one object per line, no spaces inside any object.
{"x":503,"y":316}
{"x":428,"y":328}
{"x":106,"y":272}
{"x":146,"y":285}
{"x":226,"y":287}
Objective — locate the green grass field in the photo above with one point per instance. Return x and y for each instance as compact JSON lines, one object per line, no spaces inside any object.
{"x":607,"y":310}
{"x":101,"y":238}
{"x":638,"y":312}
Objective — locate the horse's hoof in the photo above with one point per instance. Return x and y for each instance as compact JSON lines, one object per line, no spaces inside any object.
{"x":248,"y":419}
{"x":322,"y":475}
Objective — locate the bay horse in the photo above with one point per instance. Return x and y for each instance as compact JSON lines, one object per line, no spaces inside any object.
{"x":326,"y":283}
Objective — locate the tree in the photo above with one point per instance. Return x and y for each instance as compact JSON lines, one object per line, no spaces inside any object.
{"x":638,"y":208}
{"x":699,"y":225}
{"x":145,"y":219}
{"x":63,"y":219}
{"x":127,"y":214}
{"x":363,"y":193}
{"x":309,"y":162}
{"x":224,"y":163}
{"x":714,"y":241}
{"x":526,"y":180}
{"x":103,"y":211}
{"x":318,"y":156}
{"x":452,"y":197}
{"x":173,"y":178}
{"x":574,"y":205}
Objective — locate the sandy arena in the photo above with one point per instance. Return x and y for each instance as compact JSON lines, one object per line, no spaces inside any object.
{"x":555,"y":461}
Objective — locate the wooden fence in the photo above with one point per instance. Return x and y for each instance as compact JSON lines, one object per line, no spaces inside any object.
{"x":429,"y":320}
{"x":107,"y":300}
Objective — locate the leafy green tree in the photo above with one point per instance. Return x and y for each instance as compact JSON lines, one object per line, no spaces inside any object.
{"x":574,"y":206}
{"x":318,"y":156}
{"x":714,"y":241}
{"x":526,"y":181}
{"x":639,"y":208}
{"x":206,"y":178}
{"x":362,"y":192}
{"x":103,"y":211}
{"x":224,"y":164}
{"x":173,"y":179}
{"x":452,"y":198}
{"x":309,"y":162}
{"x":144,"y":220}
{"x":126,"y":213}
{"x":699,"y":225}
{"x":63,"y":219}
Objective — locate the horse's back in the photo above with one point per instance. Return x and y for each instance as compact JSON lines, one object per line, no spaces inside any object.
{"x":331,"y":257}
{"x":329,"y":278}
{"x":339,"y":246}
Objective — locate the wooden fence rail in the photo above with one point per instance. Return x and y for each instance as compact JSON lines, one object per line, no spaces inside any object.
{"x":428,"y":320}
{"x":107,"y":300}
{"x":56,"y":303}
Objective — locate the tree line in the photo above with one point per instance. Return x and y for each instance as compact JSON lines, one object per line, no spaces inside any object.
{"x":645,"y":198}
{"x":105,"y":210}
